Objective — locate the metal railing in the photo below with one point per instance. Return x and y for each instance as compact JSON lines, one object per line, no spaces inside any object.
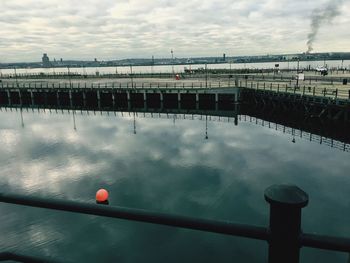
{"x":117,"y":85}
{"x":283,"y":234}
{"x":283,"y":75}
{"x":18,"y":257}
{"x":305,"y":90}
{"x":289,"y":88}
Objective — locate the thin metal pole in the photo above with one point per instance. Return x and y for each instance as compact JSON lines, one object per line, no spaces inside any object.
{"x":298,"y":74}
{"x":172,"y":62}
{"x":132,"y":81}
{"x":206,"y":75}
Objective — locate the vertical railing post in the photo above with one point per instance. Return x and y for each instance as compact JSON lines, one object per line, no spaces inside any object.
{"x":286,"y":202}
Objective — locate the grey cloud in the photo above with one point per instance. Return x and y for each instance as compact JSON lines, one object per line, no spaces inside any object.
{"x":135,"y":28}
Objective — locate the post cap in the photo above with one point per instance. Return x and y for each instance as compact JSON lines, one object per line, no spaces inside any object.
{"x":287,"y":195}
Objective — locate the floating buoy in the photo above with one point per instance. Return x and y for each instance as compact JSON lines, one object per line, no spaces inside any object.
{"x":102,"y":196}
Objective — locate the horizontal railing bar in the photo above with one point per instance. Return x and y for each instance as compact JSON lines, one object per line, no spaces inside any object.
{"x":7,"y":256}
{"x":325,"y":242}
{"x":214,"y":226}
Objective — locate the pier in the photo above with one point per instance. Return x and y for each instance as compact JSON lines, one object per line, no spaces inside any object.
{"x":123,"y":97}
{"x":323,"y":102}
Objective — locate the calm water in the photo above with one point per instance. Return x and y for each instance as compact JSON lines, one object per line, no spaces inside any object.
{"x":167,"y":166}
{"x":180,"y":68}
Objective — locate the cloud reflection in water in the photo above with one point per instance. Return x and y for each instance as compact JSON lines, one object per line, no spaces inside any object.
{"x":164,"y":167}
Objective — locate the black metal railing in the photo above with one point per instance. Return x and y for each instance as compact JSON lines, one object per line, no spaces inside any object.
{"x":283,"y":234}
{"x":18,"y":257}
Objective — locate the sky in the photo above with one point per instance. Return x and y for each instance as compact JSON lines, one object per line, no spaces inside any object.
{"x":109,"y":29}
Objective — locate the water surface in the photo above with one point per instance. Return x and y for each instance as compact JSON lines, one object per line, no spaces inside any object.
{"x":163,"y":164}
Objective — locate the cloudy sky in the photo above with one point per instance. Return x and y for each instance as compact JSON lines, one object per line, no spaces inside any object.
{"x":109,"y":29}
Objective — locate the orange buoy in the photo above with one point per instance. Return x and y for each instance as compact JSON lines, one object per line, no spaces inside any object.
{"x":102,"y":195}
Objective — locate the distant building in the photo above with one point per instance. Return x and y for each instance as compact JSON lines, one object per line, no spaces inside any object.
{"x":46,"y":61}
{"x":224,"y":57}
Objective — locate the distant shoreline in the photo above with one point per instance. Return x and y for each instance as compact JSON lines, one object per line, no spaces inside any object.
{"x":229,"y":60}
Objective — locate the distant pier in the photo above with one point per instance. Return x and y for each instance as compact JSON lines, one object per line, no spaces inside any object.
{"x":118,"y":97}
{"x":326,"y":103}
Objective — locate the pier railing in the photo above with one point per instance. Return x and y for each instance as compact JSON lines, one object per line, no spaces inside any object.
{"x":304,"y":90}
{"x":284,"y":234}
{"x":117,"y":85}
{"x":327,"y":92}
{"x":258,"y":75}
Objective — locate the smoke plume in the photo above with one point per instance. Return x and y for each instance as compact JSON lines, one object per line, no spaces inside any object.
{"x":320,"y":16}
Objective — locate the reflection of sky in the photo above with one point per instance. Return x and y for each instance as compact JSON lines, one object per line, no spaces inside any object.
{"x":164,"y":167}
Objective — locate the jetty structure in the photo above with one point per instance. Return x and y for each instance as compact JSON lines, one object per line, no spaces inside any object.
{"x":118,"y":96}
{"x":227,"y":92}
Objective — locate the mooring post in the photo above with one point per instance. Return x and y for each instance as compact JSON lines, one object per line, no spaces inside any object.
{"x":32,"y":98}
{"x":161,"y":100}
{"x":128,"y":96}
{"x":98,"y":99}
{"x":58,"y":99}
{"x":9,"y":96}
{"x":286,"y":202}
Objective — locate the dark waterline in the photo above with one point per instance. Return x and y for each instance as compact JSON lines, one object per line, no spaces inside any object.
{"x":167,"y":166}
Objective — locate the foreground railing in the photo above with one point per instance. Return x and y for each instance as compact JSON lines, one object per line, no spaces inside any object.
{"x":12,"y":256}
{"x":284,"y":233}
